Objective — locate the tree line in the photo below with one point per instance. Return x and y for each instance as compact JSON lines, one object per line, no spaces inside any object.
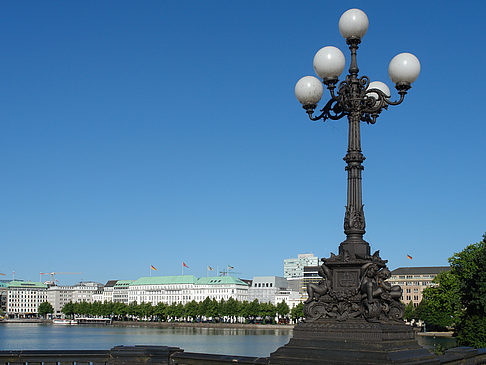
{"x":230,"y":310}
{"x":458,"y":301}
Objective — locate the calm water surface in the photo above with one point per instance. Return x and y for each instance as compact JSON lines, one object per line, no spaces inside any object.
{"x":26,"y":336}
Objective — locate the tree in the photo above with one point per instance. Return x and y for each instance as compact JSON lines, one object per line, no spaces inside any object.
{"x":441,"y":304}
{"x":297,"y":312}
{"x":469,"y":267}
{"x":282,"y":309}
{"x":231,"y":307}
{"x":252,"y":310}
{"x":68,"y":309}
{"x":459,"y":299}
{"x":409,"y":311}
{"x":45,"y":308}
{"x":191,"y":309}
{"x":120,"y":310}
{"x":160,"y":311}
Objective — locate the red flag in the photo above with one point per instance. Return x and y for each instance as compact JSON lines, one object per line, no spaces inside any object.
{"x":184,"y":264}
{"x":410,"y":257}
{"x":153,"y":268}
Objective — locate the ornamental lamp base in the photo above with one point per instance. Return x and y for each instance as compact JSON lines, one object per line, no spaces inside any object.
{"x":355,"y":341}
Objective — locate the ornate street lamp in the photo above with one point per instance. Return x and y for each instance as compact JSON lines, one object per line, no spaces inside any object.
{"x":353,"y":309}
{"x":361,"y":101}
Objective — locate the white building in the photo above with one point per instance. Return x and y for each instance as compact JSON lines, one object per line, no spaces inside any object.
{"x":265,"y":288}
{"x":108,"y":291}
{"x":24,"y":298}
{"x":84,"y":291}
{"x":291,"y":297}
{"x":58,"y":296}
{"x":185,"y":288}
{"x":120,"y":291}
{"x":294,"y":267}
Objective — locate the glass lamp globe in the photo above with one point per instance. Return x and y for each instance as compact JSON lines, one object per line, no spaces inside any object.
{"x":329,"y":62}
{"x":380,"y":86}
{"x":308,"y":90}
{"x":353,"y":24}
{"x":404,"y":68}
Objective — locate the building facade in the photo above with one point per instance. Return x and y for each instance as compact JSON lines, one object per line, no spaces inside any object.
{"x":24,"y":298}
{"x":85,"y":290}
{"x":3,"y":296}
{"x":266,"y":288}
{"x":185,"y":288}
{"x":294,"y":267}
{"x":120,"y":291}
{"x":291,"y":297}
{"x":311,"y":276}
{"x":414,"y":280}
{"x":58,"y":296}
{"x":108,"y":291}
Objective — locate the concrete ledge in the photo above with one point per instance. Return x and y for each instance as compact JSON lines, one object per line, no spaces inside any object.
{"x":166,"y":355}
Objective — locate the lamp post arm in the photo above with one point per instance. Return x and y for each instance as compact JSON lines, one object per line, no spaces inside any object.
{"x":332,"y":110}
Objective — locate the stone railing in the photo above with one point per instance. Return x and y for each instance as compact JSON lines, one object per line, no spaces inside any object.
{"x":125,"y":355}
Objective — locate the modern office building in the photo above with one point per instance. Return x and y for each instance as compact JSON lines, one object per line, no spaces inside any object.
{"x":294,"y":267}
{"x":311,"y":276}
{"x":414,"y":280}
{"x":24,"y":298}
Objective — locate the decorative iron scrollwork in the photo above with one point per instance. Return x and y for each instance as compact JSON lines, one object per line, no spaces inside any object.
{"x":355,"y":288}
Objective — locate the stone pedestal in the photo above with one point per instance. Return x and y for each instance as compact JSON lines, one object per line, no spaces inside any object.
{"x":353,"y":341}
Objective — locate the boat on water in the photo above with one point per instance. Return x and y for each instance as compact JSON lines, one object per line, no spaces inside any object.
{"x":65,"y":322}
{"x":84,"y":320}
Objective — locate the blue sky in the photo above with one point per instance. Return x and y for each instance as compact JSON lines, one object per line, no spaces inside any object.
{"x":151,"y":133}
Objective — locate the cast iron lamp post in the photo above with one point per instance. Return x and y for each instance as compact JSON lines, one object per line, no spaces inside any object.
{"x":353,"y":315}
{"x":361,"y":101}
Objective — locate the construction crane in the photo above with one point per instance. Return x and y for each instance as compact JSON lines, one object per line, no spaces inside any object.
{"x":57,"y":273}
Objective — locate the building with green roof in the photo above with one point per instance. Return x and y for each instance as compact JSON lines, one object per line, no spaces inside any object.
{"x":185,"y":288}
{"x":24,"y":298}
{"x":120,"y":291}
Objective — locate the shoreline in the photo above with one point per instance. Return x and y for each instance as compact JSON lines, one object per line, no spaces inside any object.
{"x":167,"y":324}
{"x":202,"y":325}
{"x":206,"y":325}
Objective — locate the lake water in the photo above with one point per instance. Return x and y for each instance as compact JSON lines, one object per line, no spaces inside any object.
{"x":228,"y":341}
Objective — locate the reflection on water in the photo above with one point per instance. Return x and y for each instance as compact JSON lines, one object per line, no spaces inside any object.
{"x":430,"y":341}
{"x":230,"y":341}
